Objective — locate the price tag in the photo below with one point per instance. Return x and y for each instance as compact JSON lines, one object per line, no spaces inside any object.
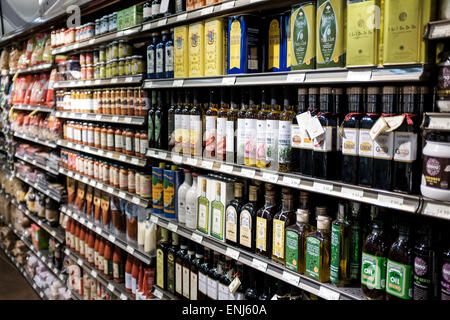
{"x":41,"y":294}
{"x":232,"y":253}
{"x":270,"y":177}
{"x":151,"y":153}
{"x":40,"y":222}
{"x":291,"y":278}
{"x":98,"y":230}
{"x":88,"y":82}
{"x":226,"y":168}
{"x":92,"y":41}
{"x":162,"y":22}
{"x":135,"y":161}
{"x":178,"y":83}
{"x":67,"y":252}
{"x":162,"y":155}
{"x":90,"y":225}
{"x":292,"y":182}
{"x":207,"y":10}
{"x":226,"y":5}
{"x":249,"y":173}
{"x":192,"y":162}
{"x":77,"y":176}
{"x":86,"y":149}
{"x":208,"y":164}
{"x":136,"y":200}
{"x":122,"y":158}
{"x":328,"y":294}
{"x":390,"y":201}
{"x":100,"y":152}
{"x":228,"y":81}
{"x":53,"y":233}
{"x":75,"y":216}
{"x":94,"y":274}
{"x":158,"y":293}
{"x":72,"y":83}
{"x":76,"y":45}
{"x":98,"y":117}
{"x":352,"y":193}
{"x":258,"y":264}
{"x":115,"y":118}
{"x":181,"y":17}
{"x":437,"y":210}
{"x":110,"y":287}
{"x":114,"y":80}
{"x":128,"y":119}
{"x":197,"y":238}
{"x":97,"y":82}
{"x":324,"y":187}
{"x":55,"y":270}
{"x":296,"y":77}
{"x":82,"y":221}
{"x":439,"y":123}
{"x":154,"y":219}
{"x":80,"y":262}
{"x":128,"y":79}
{"x":177,"y":159}
{"x":130,"y":249}
{"x":85,"y":180}
{"x":39,"y":254}
{"x":122,"y":194}
{"x":111,"y":238}
{"x":359,"y":75}
{"x":109,"y":190}
{"x":172,"y":227}
{"x":123,"y":297}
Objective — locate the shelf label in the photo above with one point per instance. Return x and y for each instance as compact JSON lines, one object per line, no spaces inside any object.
{"x":128,"y":119}
{"x":390,"y":201}
{"x":232,"y":253}
{"x":439,"y":123}
{"x":110,"y":287}
{"x":437,"y":210}
{"x":98,"y":117}
{"x":90,"y":225}
{"x":228,"y":81}
{"x":128,"y":79}
{"x":162,"y":155}
{"x":154,"y":219}
{"x":80,"y":262}
{"x":94,"y":274}
{"x":208,"y":164}
{"x":197,"y":238}
{"x":76,"y":45}
{"x":207,"y":10}
{"x":53,"y":233}
{"x":39,"y":222}
{"x":111,"y":238}
{"x":100,"y":152}
{"x":122,"y":194}
{"x":291,"y":278}
{"x":98,"y":230}
{"x":114,"y":80}
{"x":97,"y":82}
{"x":82,"y":220}
{"x":258,"y":264}
{"x":177,"y":159}
{"x":123,"y":297}
{"x":296,"y":77}
{"x":359,"y":75}
{"x":130,"y":249}
{"x":109,"y":190}
{"x":352,"y":193}
{"x":328,"y":294}
{"x":172,"y":227}
{"x":162,"y":22}
{"x":39,"y":254}
{"x":192,"y":162}
{"x":41,"y":294}
{"x":270,"y":177}
{"x":178,"y":83}
{"x":135,"y":161}
{"x":292,"y":182}
{"x":92,"y":41}
{"x":158,"y":293}
{"x":181,"y":17}
{"x":136,"y":200}
{"x":151,"y":153}
{"x":226,"y":168}
{"x":85,"y":180}
{"x":226,"y":5}
{"x":55,"y":270}
{"x":67,"y":252}
{"x":86,"y":148}
{"x":323,"y":187}
{"x":249,"y":173}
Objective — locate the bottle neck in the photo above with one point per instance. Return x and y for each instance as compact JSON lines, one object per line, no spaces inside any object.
{"x":287,"y":205}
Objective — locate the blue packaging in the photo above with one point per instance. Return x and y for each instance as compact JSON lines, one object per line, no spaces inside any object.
{"x":173,"y":178}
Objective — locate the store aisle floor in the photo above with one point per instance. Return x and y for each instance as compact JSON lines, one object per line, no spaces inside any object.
{"x":13,"y":286}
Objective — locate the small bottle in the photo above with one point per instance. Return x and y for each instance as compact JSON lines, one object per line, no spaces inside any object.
{"x":182,"y":191}
{"x":151,"y":56}
{"x":340,"y":248}
{"x":283,"y":219}
{"x":147,"y":11}
{"x":318,"y":251}
{"x":247,"y":221}
{"x":264,"y":221}
{"x":250,"y":123}
{"x":272,"y":130}
{"x":191,"y":204}
{"x":168,"y":56}
{"x":232,"y":215}
{"x":221,"y":145}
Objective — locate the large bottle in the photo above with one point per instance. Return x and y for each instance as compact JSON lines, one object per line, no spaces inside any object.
{"x":203,"y":275}
{"x":284,"y":133}
{"x":240,"y":133}
{"x":182,"y":195}
{"x":366,"y":147}
{"x":179,"y":268}
{"x":339,"y":99}
{"x":161,"y":260}
{"x":283,"y":219}
{"x":187,"y":261}
{"x":356,"y":243}
{"x":250,"y":131}
{"x":374,"y":259}
{"x":232,"y":130}
{"x":232,"y":215}
{"x":203,"y":210}
{"x":272,"y":129}
{"x":178,"y":125}
{"x":318,"y":250}
{"x":247,"y":221}
{"x":445,"y":271}
{"x":222,"y":115}
{"x":210,"y":135}
{"x":217,"y":215}
{"x":298,"y":133}
{"x":171,"y":114}
{"x":151,"y":56}
{"x":160,"y":124}
{"x":264,"y":220}
{"x":185,"y":124}
{"x":214,"y":274}
{"x":340,"y":248}
{"x":225,"y":280}
{"x":151,"y":121}
{"x":195,"y":293}
{"x":197,"y":127}
{"x":261,"y":131}
{"x":171,"y":256}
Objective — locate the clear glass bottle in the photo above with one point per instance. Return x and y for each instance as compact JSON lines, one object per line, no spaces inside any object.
{"x":222,"y":116}
{"x":264,"y":221}
{"x":261,"y":131}
{"x":250,"y":131}
{"x":210,"y":136}
{"x":272,"y":129}
{"x":282,"y":220}
{"x":182,"y":193}
{"x":191,"y":204}
{"x":240,"y":129}
{"x":232,"y":215}
{"x":318,"y":251}
{"x":284,"y":134}
{"x":203,"y":210}
{"x":196,"y":125}
{"x":185,"y":124}
{"x":217,"y":215}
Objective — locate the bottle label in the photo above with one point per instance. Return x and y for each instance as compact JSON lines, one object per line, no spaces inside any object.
{"x":261,"y":142}
{"x":224,"y":292}
{"x":217,"y":220}
{"x":202,"y":224}
{"x":399,"y":280}
{"x":355,"y":253}
{"x":350,"y":142}
{"x":118,"y":142}
{"x":261,"y":231}
{"x":231,"y":225}
{"x":195,"y":125}
{"x":241,"y":139}
{"x":150,"y":61}
{"x":169,"y":59}
{"x":274,"y":44}
{"x":306,"y":141}
{"x":324,"y":142}
{"x":445,"y":283}
{"x":284,"y":142}
{"x":193,"y":293}
{"x":313,"y":258}
{"x":127,"y":280}
{"x":191,"y":211}
{"x":147,"y":12}
{"x":373,"y":271}
{"x":159,"y":60}
{"x":245,"y":231}
{"x":157,"y":128}
{"x":384,"y":146}
{"x":185,"y":129}
{"x":178,"y":133}
{"x":405,"y":146}
{"x":365,"y":148}
{"x":335,"y":253}
{"x":210,"y":137}
{"x":235,"y":45}
{"x":435,"y":173}
{"x":272,"y":130}
{"x":186,"y":278}
{"x":155,"y":8}
{"x":250,"y":140}
{"x":221,"y":138}
{"x":212,"y":288}
{"x":170,"y":272}
{"x":424,"y":271}
{"x":160,"y":268}
{"x":292,"y":253}
{"x":202,"y":282}
{"x":278,"y":238}
{"x":143,"y":145}
{"x":230,"y":135}
{"x":296,"y":139}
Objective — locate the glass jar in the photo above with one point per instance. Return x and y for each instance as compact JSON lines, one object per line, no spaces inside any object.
{"x":129,"y":142}
{"x":137,"y":65}
{"x":115,"y":50}
{"x":121,"y":71}
{"x":125,"y":49}
{"x":145,"y":185}
{"x":112,"y":22}
{"x":102,"y":53}
{"x":128,"y":66}
{"x":97,"y":74}
{"x":115,"y":178}
{"x":98,"y":23}
{"x":102,"y":66}
{"x":90,"y":30}
{"x":114,"y":67}
{"x":89,"y":72}
{"x":131,"y":181}
{"x":123,"y":179}
{"x":83,"y":72}
{"x":118,"y":140}
{"x":96,"y":56}
{"x":137,"y":183}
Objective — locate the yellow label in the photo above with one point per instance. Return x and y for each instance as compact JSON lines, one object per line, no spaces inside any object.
{"x":214,"y":47}
{"x":278,"y":239}
{"x":274,"y":44}
{"x":235,"y":45}
{"x":261,"y":230}
{"x":245,"y":229}
{"x":160,"y":268}
{"x":196,"y":50}
{"x":381,"y":33}
{"x":181,"y":53}
{"x":428,"y":14}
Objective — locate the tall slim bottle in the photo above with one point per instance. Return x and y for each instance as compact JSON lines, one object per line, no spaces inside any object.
{"x":203,"y":210}
{"x":247,"y":221}
{"x":161,"y":259}
{"x":185,"y":125}
{"x":261,"y":131}
{"x":171,"y":123}
{"x":195,"y":294}
{"x":234,"y":129}
{"x":222,"y":127}
{"x":203,"y":275}
{"x":214,"y":274}
{"x":340,"y":248}
{"x":160,"y":124}
{"x":171,"y":255}
{"x":281,"y":221}
{"x":250,"y":131}
{"x":296,"y":135}
{"x":151,"y":121}
{"x":179,"y":268}
{"x":225,"y":280}
{"x":217,"y":215}
{"x":187,"y":261}
{"x":178,"y":130}
{"x":232,"y":215}
{"x":210,"y":135}
{"x":339,"y":99}
{"x":272,"y":130}
{"x":241,"y":134}
{"x":284,"y":133}
{"x":197,"y":127}
{"x":356,"y":243}
{"x":264,"y":221}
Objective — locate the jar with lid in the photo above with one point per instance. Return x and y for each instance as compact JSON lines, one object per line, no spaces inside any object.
{"x":103,"y":137}
{"x":108,"y":69}
{"x":104,"y":24}
{"x":123,"y":179}
{"x":96,"y":164}
{"x":98,"y":26}
{"x":128,"y":66}
{"x":137,"y":65}
{"x":131,"y":181}
{"x":145,"y":185}
{"x":97,"y":73}
{"x":144,"y":143}
{"x":125,"y":49}
{"x":53,"y":38}
{"x":129,"y":142}
{"x":90,"y":30}
{"x":114,"y":67}
{"x":89,"y":57}
{"x":90,"y":135}
{"x":118,"y":140}
{"x":72,"y":35}
{"x":137,"y":143}
{"x":102,"y":54}
{"x":106,"y":177}
{"x":114,"y":50}
{"x":137,"y":183}
{"x":115,"y":177}
{"x":121,"y":71}
{"x":97,"y":136}
{"x":110,"y":138}
{"x":112,"y":22}
{"x":89,"y":72}
{"x":83,"y":72}
{"x":117,"y":101}
{"x":102,"y":66}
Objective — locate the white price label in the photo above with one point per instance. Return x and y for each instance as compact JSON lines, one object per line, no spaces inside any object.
{"x":197,"y":238}
{"x":110,"y":287}
{"x":94,"y":274}
{"x":98,"y":117}
{"x":208,"y":164}
{"x":291,"y":278}
{"x":90,"y":225}
{"x":130,"y":249}
{"x":172,"y":227}
{"x":115,"y":118}
{"x":122,"y":157}
{"x":182,"y":17}
{"x":97,"y":82}
{"x":85,"y":180}
{"x":328,"y":294}
{"x":207,"y":10}
{"x":128,"y":79}
{"x":439,"y":123}
{"x":98,"y":230}
{"x":323,"y":187}
{"x":232,"y":253}
{"x":135,"y":161}
{"x":100,"y":152}
{"x":55,"y":270}
{"x":162,"y":155}
{"x":258,"y":264}
{"x":92,"y":41}
{"x":88,"y":82}
{"x":80,"y":262}
{"x":352,"y":193}
{"x":39,"y":254}
{"x":86,"y":148}
{"x":436,"y":210}
{"x":390,"y":201}
{"x":227,"y":5}
{"x":226,"y":168}
{"x":123,"y":297}
{"x":67,"y":252}
{"x":178,"y":83}
{"x":191,"y":161}
{"x":296,"y":77}
{"x":228,"y":81}
{"x":82,"y":221}
{"x":364,"y":75}
{"x":75,"y":216}
{"x":109,"y":190}
{"x":270,"y":177}
{"x":122,"y":194}
{"x":158,"y":293}
{"x":76,"y":45}
{"x":53,"y":233}
{"x":291,"y":182}
{"x":249,"y":173}
{"x":177,"y":159}
{"x":151,"y":153}
{"x":154,"y":219}
{"x":41,"y":294}
{"x":112,"y":238}
{"x":136,"y":200}
{"x":114,"y":80}
{"x":162,"y":22}
{"x":40,"y":222}
{"x":72,"y":83}
{"x":128,"y":119}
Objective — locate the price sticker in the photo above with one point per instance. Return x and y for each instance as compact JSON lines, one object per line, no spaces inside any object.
{"x":390,"y":201}
{"x":100,"y":152}
{"x":207,"y":10}
{"x":232,"y":253}
{"x":136,"y":200}
{"x":53,"y":233}
{"x":439,"y":123}
{"x":249,"y":173}
{"x":77,"y":176}
{"x":123,"y":297}
{"x":111,"y":238}
{"x":359,"y":75}
{"x":197,"y":238}
{"x":76,"y":45}
{"x":98,"y":117}
{"x":178,"y":83}
{"x":90,"y":225}
{"x":115,"y":118}
{"x":80,"y":262}
{"x":162,"y":22}
{"x":86,"y":149}
{"x":158,"y":293}
{"x":151,"y":153}
{"x":97,"y":82}
{"x":181,"y":17}
{"x":67,"y":252}
{"x":82,"y":221}
{"x":172,"y":227}
{"x":41,"y":294}
{"x":122,"y":194}
{"x":208,"y":164}
{"x":270,"y":177}
{"x":128,"y":79}
{"x":85,"y":180}
{"x":296,"y":77}
{"x":98,"y":230}
{"x":114,"y":80}
{"x":328,"y":294}
{"x":352,"y":193}
{"x":135,"y":161}
{"x":55,"y":270}
{"x":192,"y":162}
{"x":94,"y":274}
{"x":128,"y":119}
{"x":228,"y":81}
{"x":40,"y":222}
{"x":39,"y":254}
{"x":75,"y":216}
{"x":323,"y":187}
{"x":88,"y":82}
{"x":92,"y":41}
{"x":291,"y":278}
{"x":122,"y":158}
{"x":177,"y":159}
{"x":226,"y":5}
{"x":292,"y":182}
{"x":258,"y":264}
{"x":109,"y":190}
{"x":110,"y":287}
{"x":154,"y":219}
{"x":162,"y":155}
{"x":130,"y":249}
{"x":437,"y":210}
{"x":226,"y":168}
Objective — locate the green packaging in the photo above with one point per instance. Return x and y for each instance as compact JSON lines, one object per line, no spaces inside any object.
{"x":303,"y":31}
{"x":331,"y":21}
{"x":130,"y":17}
{"x":362,"y":32}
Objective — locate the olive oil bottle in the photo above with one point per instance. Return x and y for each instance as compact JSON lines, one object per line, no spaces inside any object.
{"x":298,"y":133}
{"x":340,"y":248}
{"x":284,"y":133}
{"x":281,"y":221}
{"x":161,"y":259}
{"x":241,"y":134}
{"x":222,"y":115}
{"x":250,"y":131}
{"x":185,"y":124}
{"x":318,"y":251}
{"x":338,"y":109}
{"x":151,"y":121}
{"x":261,"y":131}
{"x":233,"y":130}
{"x":197,"y":127}
{"x":232,"y":215}
{"x":264,"y":220}
{"x":247,"y":221}
{"x":178,"y":131}
{"x":272,"y":127}
{"x":160,"y":124}
{"x":356,"y":242}
{"x":210,"y":135}
{"x":307,"y":154}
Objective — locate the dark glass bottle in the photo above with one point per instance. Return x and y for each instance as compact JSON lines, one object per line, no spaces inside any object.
{"x":264,"y":220}
{"x":339,"y":103}
{"x":151,"y":121}
{"x":406,"y":161}
{"x":247,"y":221}
{"x":232,"y":215}
{"x":225,"y":280}
{"x":306,"y":155}
{"x":171,"y":122}
{"x":182,"y":251}
{"x":356,"y":243}
{"x":160,"y":60}
{"x":180,"y":6}
{"x":203,"y":271}
{"x":445,"y":268}
{"x":267,"y":292}
{"x":324,"y":152}
{"x":215,"y":272}
{"x":58,"y":257}
{"x":297,"y":137}
{"x":151,"y":56}
{"x":171,"y":255}
{"x":187,"y":261}
{"x":161,"y":259}
{"x":251,"y":292}
{"x":168,"y":56}
{"x":365,"y":175}
{"x":282,"y":290}
{"x":384,"y":143}
{"x":195,"y":268}
{"x":351,"y":125}
{"x":160,"y":124}
{"x":185,"y":124}
{"x":281,"y":221}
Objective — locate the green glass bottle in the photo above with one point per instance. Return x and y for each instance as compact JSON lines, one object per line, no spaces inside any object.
{"x":340,"y":248}
{"x":203,"y":210}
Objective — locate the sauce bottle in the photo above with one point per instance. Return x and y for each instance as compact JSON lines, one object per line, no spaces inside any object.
{"x":284,"y":133}
{"x":250,"y":130}
{"x":82,"y":240}
{"x":264,"y":221}
{"x":134,"y":276}
{"x":118,"y":265}
{"x":318,"y":250}
{"x":283,"y":219}
{"x":340,"y":248}
{"x":445,"y":283}
{"x":272,"y":131}
{"x":128,"y":266}
{"x":261,"y":131}
{"x":101,"y":252}
{"x":107,"y":261}
{"x":90,"y":248}
{"x":210,"y":136}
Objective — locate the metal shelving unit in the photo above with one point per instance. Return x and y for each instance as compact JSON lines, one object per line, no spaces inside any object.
{"x":34,"y":139}
{"x":37,"y":187}
{"x":110,"y":118}
{"x":35,"y":163}
{"x":32,"y":108}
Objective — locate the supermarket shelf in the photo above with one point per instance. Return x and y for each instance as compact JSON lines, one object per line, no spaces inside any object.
{"x":138,"y":121}
{"x":133,"y":249}
{"x":436,"y":209}
{"x":130,"y":197}
{"x":37,"y":187}
{"x":120,"y":80}
{"x":140,"y":162}
{"x":323,"y":290}
{"x":36,"y":140}
{"x":117,"y":289}
{"x":438,"y":30}
{"x":436,"y":121}
{"x":162,"y":294}
{"x":409,"y":73}
{"x":31,"y":108}
{"x":35,"y":163}
{"x":34,"y":69}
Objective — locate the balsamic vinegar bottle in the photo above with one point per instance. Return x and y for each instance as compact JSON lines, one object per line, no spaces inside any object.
{"x":296,"y":136}
{"x":339,"y":103}
{"x":160,"y":124}
{"x":171,"y":122}
{"x":365,"y":175}
{"x":384,"y":143}
{"x":324,"y":154}
{"x":307,"y":155}
{"x":151,"y":121}
{"x":351,"y":126}
{"x":406,"y":166}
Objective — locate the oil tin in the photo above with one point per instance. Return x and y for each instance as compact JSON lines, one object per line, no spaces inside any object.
{"x":181,"y":52}
{"x":303,"y":32}
{"x":243,"y":50}
{"x":157,"y":189}
{"x":216,"y":37}
{"x":330,"y":33}
{"x":172,"y":181}
{"x":197,"y":49}
{"x":287,"y":39}
{"x":276,"y":49}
